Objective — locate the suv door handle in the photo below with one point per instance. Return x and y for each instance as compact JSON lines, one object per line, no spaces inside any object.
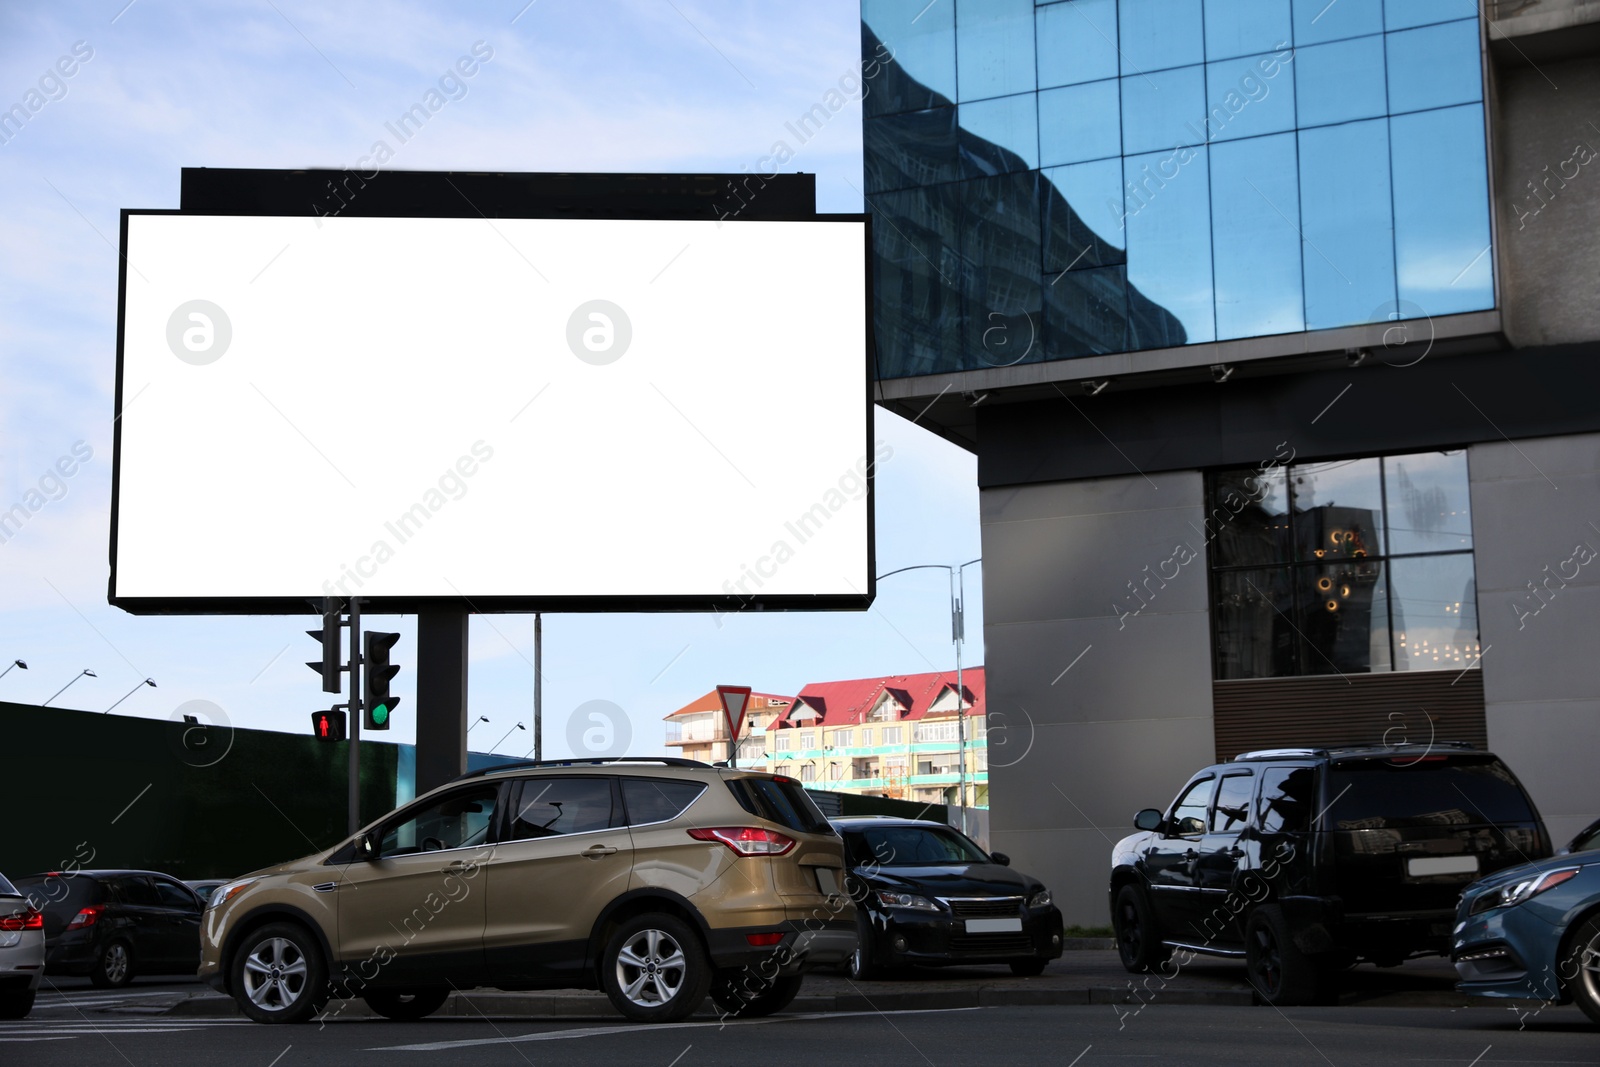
{"x":1235,"y":852}
{"x":594,"y":852}
{"x":455,"y":867}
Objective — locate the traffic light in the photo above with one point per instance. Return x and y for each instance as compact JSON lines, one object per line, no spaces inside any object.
{"x":328,"y":637}
{"x":376,"y":703}
{"x":328,"y":725}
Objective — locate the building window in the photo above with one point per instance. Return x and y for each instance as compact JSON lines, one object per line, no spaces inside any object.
{"x":808,"y":772}
{"x":808,"y":740}
{"x":891,"y":736}
{"x":844,"y":738}
{"x":784,"y":742}
{"x":866,"y":735}
{"x":1346,"y":567}
{"x":935,"y":731}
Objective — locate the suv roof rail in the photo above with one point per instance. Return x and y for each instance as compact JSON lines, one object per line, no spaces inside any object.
{"x":1336,"y":750}
{"x":523,"y":765}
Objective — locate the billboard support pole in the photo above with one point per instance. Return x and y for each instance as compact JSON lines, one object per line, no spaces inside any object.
{"x":353,"y":715}
{"x":538,"y":686}
{"x":441,"y":697}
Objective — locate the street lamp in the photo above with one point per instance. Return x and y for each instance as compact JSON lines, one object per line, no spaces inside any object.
{"x":151,"y":682}
{"x":474,"y":726}
{"x":63,"y":689}
{"x":958,"y":638}
{"x":509,"y":732}
{"x":14,"y":664}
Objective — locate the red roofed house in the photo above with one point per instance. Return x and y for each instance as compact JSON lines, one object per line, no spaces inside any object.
{"x":699,"y":730}
{"x":893,"y":736}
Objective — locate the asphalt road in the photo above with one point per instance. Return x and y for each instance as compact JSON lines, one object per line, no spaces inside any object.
{"x":72,"y":1028}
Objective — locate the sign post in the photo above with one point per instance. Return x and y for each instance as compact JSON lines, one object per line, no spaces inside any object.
{"x":734,"y":700}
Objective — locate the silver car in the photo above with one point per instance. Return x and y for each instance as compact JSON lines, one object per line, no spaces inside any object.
{"x":21,"y":952}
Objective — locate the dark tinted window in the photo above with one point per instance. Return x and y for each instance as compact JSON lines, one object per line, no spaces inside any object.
{"x":6,"y":888}
{"x":176,"y":896}
{"x":456,"y":820}
{"x":59,"y":893}
{"x":1233,"y":804}
{"x":1373,"y":794}
{"x":784,"y":803}
{"x":550,"y":807}
{"x":137,"y":891}
{"x":1287,"y":795}
{"x":910,"y":846}
{"x":1189,"y":813}
{"x":657,"y":799}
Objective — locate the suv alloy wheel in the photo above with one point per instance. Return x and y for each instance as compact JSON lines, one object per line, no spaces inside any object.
{"x":655,"y":969}
{"x":1138,"y":941}
{"x":279,"y":974}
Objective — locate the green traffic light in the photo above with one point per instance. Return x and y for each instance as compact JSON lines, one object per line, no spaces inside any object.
{"x":380,"y":714}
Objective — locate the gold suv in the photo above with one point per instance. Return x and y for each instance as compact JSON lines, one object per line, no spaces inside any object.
{"x":656,"y":880}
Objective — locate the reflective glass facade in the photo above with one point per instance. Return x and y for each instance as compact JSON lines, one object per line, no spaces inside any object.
{"x":1061,"y":178}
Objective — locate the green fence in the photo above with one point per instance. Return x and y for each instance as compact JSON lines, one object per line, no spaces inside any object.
{"x":195,"y":800}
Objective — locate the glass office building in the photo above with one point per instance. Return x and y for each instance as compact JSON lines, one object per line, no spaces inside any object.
{"x":1058,"y":179}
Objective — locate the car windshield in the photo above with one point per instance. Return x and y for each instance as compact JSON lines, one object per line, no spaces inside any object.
{"x":1388,"y":794}
{"x":911,"y":846}
{"x":1586,"y":841}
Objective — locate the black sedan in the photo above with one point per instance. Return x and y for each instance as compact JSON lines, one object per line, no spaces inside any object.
{"x":927,"y":895}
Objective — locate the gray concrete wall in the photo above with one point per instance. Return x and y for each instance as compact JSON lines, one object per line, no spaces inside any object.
{"x":1073,"y":755}
{"x":1547,"y":192}
{"x":1533,"y":504}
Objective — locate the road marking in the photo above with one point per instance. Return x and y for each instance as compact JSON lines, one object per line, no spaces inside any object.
{"x":632,"y":1028}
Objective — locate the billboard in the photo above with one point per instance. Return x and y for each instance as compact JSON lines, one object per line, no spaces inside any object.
{"x":507,"y":414}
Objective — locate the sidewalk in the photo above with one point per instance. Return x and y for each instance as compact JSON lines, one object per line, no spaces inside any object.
{"x":1089,"y":976}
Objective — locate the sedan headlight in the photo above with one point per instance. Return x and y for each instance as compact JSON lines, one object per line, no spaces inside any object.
{"x":910,"y":901}
{"x":1041,"y":899}
{"x":225,"y":893}
{"x":1517,"y":892}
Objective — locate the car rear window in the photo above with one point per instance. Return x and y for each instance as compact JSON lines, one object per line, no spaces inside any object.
{"x":56,"y":894}
{"x":782,"y":802}
{"x":658,"y":799}
{"x":1432,"y":791}
{"x":7,"y":889}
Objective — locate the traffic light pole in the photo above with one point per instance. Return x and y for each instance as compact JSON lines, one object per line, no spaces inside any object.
{"x":353,"y":715}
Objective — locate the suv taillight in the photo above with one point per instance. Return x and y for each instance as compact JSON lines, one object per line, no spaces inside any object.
{"x":746,"y":840}
{"x":31,"y":919}
{"x":86,"y":917}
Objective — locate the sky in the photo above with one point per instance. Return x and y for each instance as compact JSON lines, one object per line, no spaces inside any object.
{"x":570,"y":85}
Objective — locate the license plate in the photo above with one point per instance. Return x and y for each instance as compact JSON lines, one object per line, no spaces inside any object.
{"x":994,"y":926}
{"x":1423,"y":866}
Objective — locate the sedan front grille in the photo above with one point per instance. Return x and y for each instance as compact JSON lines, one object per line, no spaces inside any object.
{"x":984,"y":907}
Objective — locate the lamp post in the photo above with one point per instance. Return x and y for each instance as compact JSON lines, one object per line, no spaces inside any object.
{"x":509,"y":732}
{"x":474,"y":726}
{"x":63,"y":689}
{"x":957,"y":574}
{"x":151,"y":682}
{"x":14,"y":664}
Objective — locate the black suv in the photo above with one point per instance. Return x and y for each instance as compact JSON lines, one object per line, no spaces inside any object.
{"x":111,"y":925}
{"x":1304,"y":861}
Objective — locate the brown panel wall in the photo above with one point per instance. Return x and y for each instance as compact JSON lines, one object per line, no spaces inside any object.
{"x":1409,"y":706}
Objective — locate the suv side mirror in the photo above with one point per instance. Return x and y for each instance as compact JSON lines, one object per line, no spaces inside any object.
{"x":1148,"y":819}
{"x":365,"y":850}
{"x":1001,"y":858}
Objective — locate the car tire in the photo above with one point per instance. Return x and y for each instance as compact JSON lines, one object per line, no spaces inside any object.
{"x":744,"y":994}
{"x":279,"y":974}
{"x":1028,"y":968}
{"x":1580,"y":968}
{"x":655,"y":970}
{"x":1277,"y":970}
{"x":113,"y":966}
{"x":862,"y":965}
{"x":406,"y":1005}
{"x":1138,"y":940}
{"x":16,"y":1005}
